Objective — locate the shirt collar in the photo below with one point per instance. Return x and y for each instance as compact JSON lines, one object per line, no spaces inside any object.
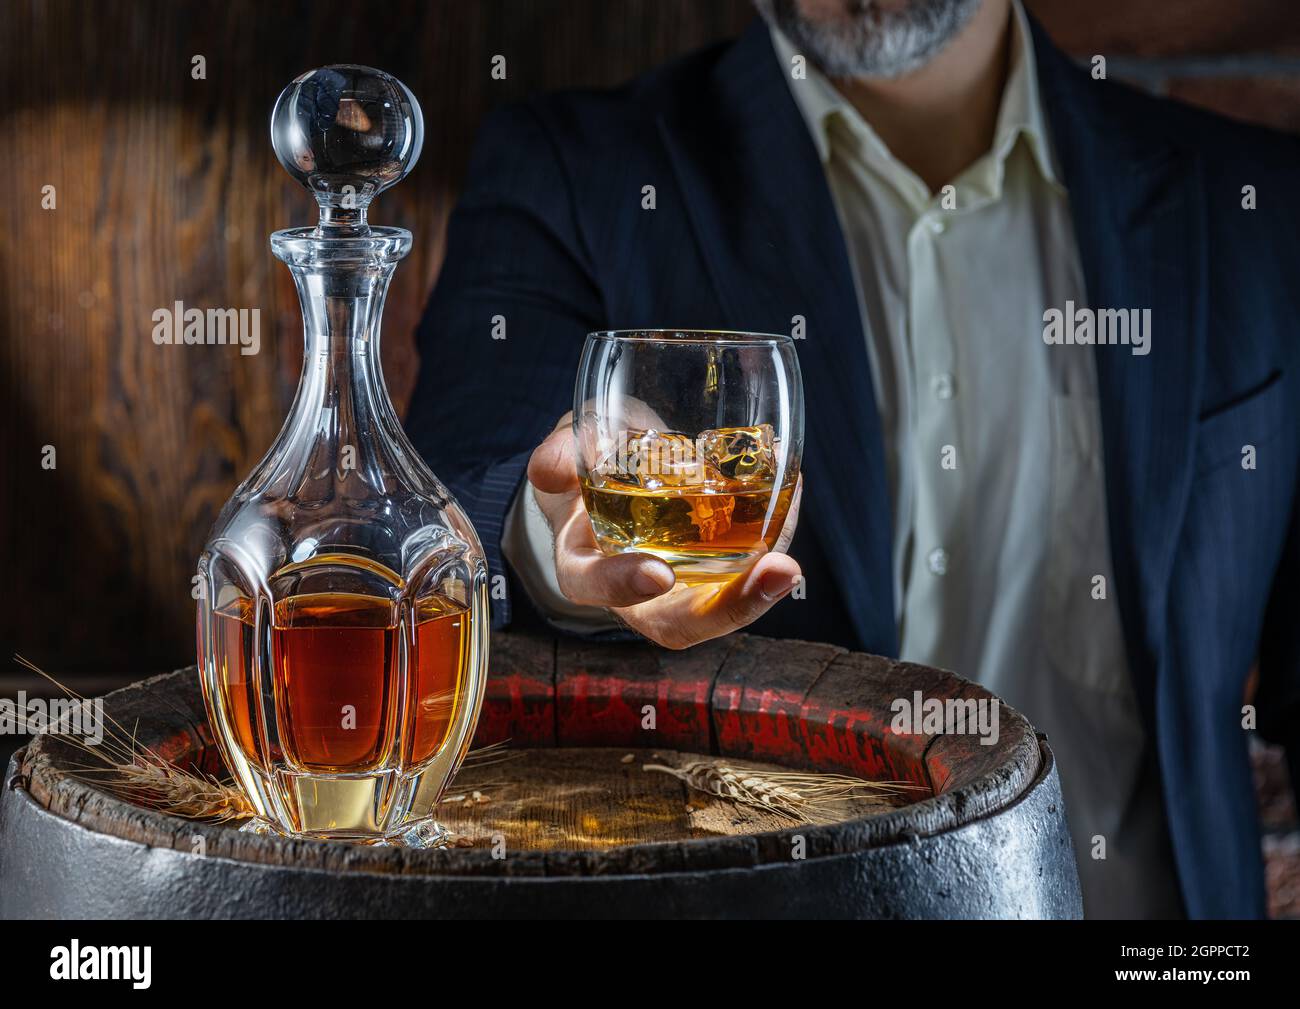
{"x":824,"y":109}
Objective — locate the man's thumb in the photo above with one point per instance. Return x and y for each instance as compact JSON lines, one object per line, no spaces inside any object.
{"x":551,"y":469}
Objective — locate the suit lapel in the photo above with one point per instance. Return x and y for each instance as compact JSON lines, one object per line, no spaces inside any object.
{"x":1137,"y":205}
{"x":763,"y":213}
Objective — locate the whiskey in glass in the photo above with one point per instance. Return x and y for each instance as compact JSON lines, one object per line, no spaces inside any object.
{"x":688,"y":445}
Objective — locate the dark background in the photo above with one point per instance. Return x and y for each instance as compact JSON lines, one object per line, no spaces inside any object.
{"x":167,"y":190}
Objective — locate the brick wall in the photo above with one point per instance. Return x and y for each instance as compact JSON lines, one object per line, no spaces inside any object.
{"x":1277,"y":813}
{"x":1240,"y":58}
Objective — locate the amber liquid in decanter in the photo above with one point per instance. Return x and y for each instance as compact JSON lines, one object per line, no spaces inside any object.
{"x":342,"y":697}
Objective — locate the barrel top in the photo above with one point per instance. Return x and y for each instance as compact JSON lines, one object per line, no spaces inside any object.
{"x":789,"y":703}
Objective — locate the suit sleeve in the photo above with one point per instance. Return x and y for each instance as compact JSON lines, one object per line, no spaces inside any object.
{"x":501,"y":336}
{"x":1278,"y":696}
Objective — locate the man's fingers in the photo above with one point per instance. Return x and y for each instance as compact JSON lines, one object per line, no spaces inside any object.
{"x":589,"y":578}
{"x":679,"y":621}
{"x":585,"y":575}
{"x":791,"y":520}
{"x":744,"y":600}
{"x":558,"y":509}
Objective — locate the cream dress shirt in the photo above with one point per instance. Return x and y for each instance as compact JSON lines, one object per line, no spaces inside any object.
{"x":993,"y":449}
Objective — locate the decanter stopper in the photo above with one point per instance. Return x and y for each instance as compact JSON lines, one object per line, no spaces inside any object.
{"x":347,"y":133}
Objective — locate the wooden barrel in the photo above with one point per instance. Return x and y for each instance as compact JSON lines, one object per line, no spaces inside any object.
{"x":577,"y":828}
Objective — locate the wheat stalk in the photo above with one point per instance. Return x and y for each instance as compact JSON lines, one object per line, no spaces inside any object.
{"x":137,"y":774}
{"x":800,"y":795}
{"x":170,"y":789}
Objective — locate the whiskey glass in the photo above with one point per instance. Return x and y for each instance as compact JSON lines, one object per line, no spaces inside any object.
{"x":688,"y":445}
{"x":343,"y":617}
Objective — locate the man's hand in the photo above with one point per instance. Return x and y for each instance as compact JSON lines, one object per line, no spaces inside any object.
{"x":638,"y":588}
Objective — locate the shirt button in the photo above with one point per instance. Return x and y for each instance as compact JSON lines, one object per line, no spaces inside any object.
{"x":943,"y":386}
{"x":937,"y":561}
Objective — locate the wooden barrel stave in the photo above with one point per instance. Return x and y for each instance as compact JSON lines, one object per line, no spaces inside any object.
{"x":758,"y":697}
{"x":602,"y":690}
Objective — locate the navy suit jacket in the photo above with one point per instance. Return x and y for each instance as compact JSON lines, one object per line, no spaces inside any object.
{"x":550,"y":236}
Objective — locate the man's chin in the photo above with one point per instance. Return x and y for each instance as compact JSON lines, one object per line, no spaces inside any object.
{"x":865,"y":39}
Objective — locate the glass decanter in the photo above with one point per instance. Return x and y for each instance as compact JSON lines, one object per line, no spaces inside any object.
{"x":343,"y":620}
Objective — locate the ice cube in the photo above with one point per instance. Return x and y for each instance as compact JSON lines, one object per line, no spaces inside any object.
{"x":652,"y":459}
{"x":711,"y":515}
{"x":663,"y":521}
{"x":681,"y":520}
{"x":745,"y":455}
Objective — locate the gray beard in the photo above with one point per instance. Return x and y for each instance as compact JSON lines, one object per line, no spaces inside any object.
{"x":866,"y":41}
